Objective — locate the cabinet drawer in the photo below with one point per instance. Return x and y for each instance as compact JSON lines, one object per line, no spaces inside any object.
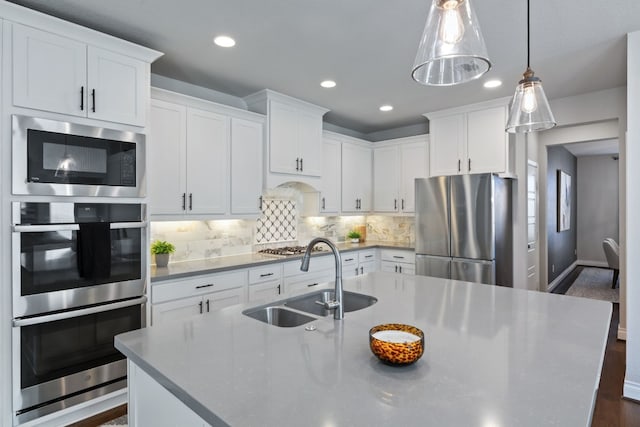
{"x":317,"y":263}
{"x":398,"y":256}
{"x":350,"y":259}
{"x":199,"y":285}
{"x":367,"y":255}
{"x":310,"y":281}
{"x":263,"y":274}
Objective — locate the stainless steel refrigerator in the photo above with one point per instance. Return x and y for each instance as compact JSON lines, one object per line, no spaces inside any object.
{"x":464,"y":228}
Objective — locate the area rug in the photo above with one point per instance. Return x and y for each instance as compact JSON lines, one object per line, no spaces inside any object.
{"x":595,"y":283}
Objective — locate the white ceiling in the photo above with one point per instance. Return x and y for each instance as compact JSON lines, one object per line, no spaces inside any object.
{"x":594,"y":148}
{"x":366,"y":46}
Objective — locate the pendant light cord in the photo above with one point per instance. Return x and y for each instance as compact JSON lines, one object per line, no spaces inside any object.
{"x":528,"y":36}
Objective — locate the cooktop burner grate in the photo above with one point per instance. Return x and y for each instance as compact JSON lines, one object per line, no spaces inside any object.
{"x":288,"y":250}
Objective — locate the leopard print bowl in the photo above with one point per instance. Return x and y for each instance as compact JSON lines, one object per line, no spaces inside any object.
{"x":396,"y":344}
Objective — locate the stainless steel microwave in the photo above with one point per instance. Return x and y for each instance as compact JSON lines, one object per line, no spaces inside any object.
{"x":53,"y":158}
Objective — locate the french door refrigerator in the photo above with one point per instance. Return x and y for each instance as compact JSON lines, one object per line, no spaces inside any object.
{"x":464,"y":228}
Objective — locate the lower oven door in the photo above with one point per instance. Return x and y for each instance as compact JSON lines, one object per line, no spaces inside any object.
{"x":65,"y":358}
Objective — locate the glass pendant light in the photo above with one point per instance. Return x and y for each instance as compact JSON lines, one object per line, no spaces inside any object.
{"x":529,"y":110}
{"x":452,"y":50}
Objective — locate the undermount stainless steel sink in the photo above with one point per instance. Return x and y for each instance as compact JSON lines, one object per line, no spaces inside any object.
{"x":278,"y":316}
{"x":351,"y":300}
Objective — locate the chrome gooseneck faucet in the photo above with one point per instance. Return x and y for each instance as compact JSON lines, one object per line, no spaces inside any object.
{"x":337,"y":302}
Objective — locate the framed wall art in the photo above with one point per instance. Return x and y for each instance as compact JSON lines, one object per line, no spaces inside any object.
{"x":564,"y":201}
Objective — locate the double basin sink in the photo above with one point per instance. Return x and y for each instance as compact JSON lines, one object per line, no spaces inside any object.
{"x":279,"y":315}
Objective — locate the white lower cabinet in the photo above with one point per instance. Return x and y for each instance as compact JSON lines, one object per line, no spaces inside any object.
{"x":183,"y":298}
{"x":265,"y":282}
{"x":397,"y":261}
{"x":321,"y":270}
{"x":150,"y":404}
{"x":357,"y":263}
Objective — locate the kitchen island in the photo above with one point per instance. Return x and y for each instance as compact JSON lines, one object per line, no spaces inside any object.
{"x":494,"y":357}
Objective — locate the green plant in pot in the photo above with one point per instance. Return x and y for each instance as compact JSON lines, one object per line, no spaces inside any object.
{"x":354,"y":236}
{"x":161,"y":250}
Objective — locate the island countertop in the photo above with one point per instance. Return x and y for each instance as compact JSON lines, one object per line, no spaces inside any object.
{"x":494,"y":357}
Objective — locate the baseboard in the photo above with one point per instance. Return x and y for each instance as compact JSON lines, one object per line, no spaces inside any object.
{"x":588,"y":263}
{"x":622,"y":333}
{"x":561,"y":276}
{"x":631,"y":390}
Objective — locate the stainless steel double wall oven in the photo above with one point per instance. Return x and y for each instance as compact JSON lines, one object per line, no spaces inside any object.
{"x":78,"y":266}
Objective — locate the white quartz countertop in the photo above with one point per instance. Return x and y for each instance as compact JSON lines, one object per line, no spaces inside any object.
{"x":494,"y":357}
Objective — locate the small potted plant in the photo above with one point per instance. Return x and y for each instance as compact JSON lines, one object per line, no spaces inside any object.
{"x":354,"y":236}
{"x":161,"y":250}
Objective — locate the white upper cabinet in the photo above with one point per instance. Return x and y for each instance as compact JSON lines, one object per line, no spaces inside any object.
{"x":294,"y":137}
{"x":396,"y":164}
{"x":246,"y":166}
{"x":166,"y":153}
{"x":386,"y":175}
{"x":205,"y":160}
{"x":470,"y":139}
{"x":67,"y":76}
{"x":356,"y":178}
{"x":330,"y":187}
{"x":117,"y":87}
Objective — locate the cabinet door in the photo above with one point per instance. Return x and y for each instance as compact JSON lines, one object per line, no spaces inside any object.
{"x":367,"y":267}
{"x":446,"y":146}
{"x":218,"y":300}
{"x":388,"y":266}
{"x":486,"y":141}
{"x":178,"y":310}
{"x":246,"y":166}
{"x":117,"y":88}
{"x":330,"y":185}
{"x":265,"y":290}
{"x":310,"y":143}
{"x":207,"y":162}
{"x":385,"y":179}
{"x":283,"y":138}
{"x":166,"y":151}
{"x":49,"y":72}
{"x":350,"y":177}
{"x":365,"y":179}
{"x":413,"y":164}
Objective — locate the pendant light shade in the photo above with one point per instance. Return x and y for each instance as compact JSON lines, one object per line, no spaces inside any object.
{"x":452,"y":50}
{"x":529,"y":110}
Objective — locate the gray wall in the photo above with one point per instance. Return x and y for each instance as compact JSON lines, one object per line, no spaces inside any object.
{"x":562,"y":246}
{"x":598,"y":206}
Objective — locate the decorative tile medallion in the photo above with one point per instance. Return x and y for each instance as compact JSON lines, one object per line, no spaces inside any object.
{"x":278,"y":222}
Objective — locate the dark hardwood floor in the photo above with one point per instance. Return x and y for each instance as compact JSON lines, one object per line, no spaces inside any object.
{"x":611,"y":409}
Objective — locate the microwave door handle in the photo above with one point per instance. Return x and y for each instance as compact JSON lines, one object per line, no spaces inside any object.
{"x":75,"y":313}
{"x":72,"y":227}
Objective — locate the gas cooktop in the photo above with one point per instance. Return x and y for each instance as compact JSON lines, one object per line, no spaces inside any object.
{"x":288,"y":250}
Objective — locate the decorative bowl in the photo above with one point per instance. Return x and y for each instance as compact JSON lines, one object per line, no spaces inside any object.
{"x":396,"y":344}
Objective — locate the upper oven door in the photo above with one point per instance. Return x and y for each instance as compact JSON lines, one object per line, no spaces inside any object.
{"x":99,"y":258}
{"x":67,"y":159}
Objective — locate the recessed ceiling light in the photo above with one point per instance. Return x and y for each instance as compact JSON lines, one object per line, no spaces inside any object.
{"x":224,"y":41}
{"x":490,"y":84}
{"x":386,"y":108}
{"x":328,"y":84}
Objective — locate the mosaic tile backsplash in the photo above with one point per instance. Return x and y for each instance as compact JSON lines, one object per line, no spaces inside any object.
{"x":278,"y":222}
